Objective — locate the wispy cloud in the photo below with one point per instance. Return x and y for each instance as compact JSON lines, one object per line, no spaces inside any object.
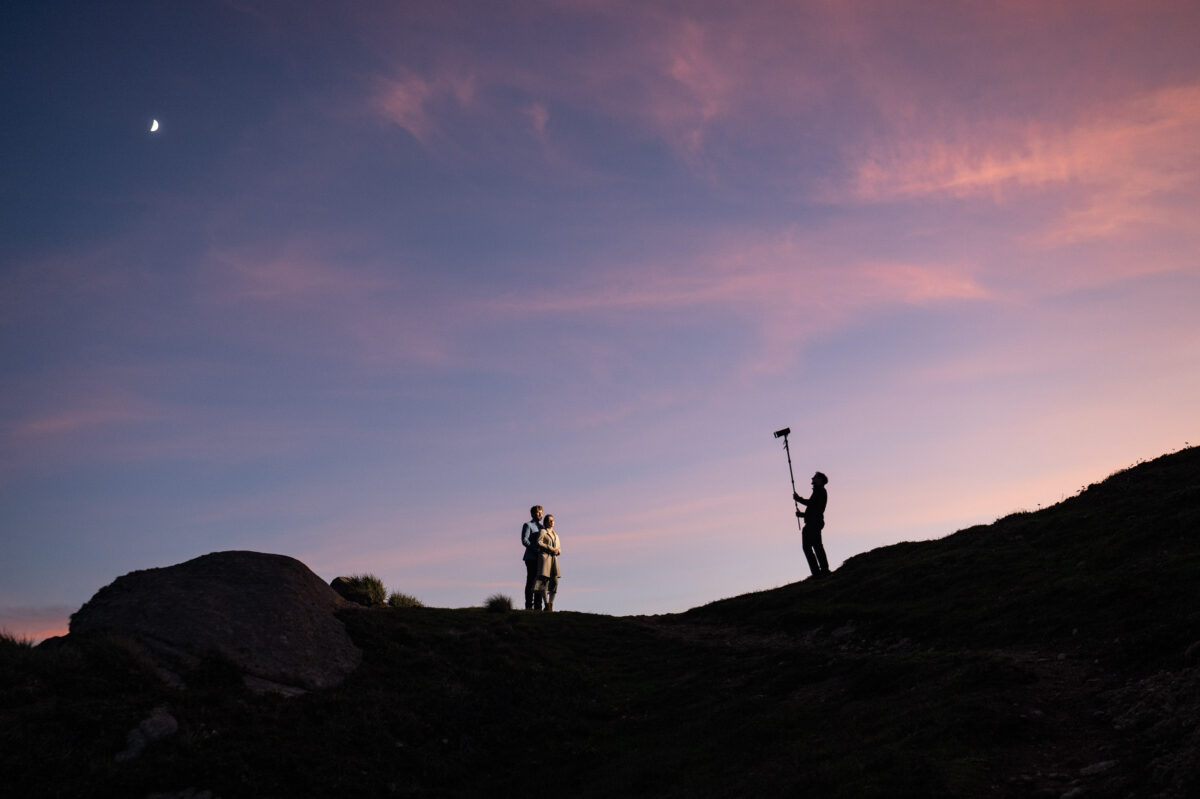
{"x":386,"y":312}
{"x":88,"y":414}
{"x":539,"y":118}
{"x":412,"y":101}
{"x":779,"y":274}
{"x":145,"y":412}
{"x":787,"y":288}
{"x":1120,"y":169}
{"x":643,"y":66}
{"x":47,"y":417}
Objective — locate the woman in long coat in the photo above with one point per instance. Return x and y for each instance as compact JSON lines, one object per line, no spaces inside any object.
{"x":547,"y":565}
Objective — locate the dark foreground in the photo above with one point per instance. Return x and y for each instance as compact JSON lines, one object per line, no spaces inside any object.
{"x":1049,"y":654}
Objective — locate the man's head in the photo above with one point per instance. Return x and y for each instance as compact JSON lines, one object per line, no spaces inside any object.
{"x":819,"y":479}
{"x":535,"y":513}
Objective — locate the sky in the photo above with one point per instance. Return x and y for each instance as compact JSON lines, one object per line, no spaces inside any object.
{"x":389,"y":273}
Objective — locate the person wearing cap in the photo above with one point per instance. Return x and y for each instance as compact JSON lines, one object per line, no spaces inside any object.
{"x":814,"y":522}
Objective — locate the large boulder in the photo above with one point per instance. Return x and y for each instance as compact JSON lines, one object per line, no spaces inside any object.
{"x":269,"y":615}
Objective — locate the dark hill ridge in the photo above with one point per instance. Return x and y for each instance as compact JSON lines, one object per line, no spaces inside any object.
{"x":1049,"y":654}
{"x":1112,"y":571}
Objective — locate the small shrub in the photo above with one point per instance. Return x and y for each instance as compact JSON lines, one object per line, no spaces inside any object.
{"x":399,"y":600}
{"x":365,"y":589}
{"x":14,"y":651}
{"x":498,"y":603}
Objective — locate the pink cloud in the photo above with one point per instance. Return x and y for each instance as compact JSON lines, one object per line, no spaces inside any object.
{"x":693,"y":85}
{"x":539,"y":117}
{"x":703,"y":74}
{"x":193,"y":436}
{"x":412,"y":102}
{"x":75,"y":277}
{"x":96,"y":415}
{"x":788,"y":287}
{"x":713,"y":70}
{"x":672,"y":75}
{"x":918,"y":284}
{"x":777,"y":274}
{"x":291,"y":270}
{"x":88,"y":416}
{"x":1124,"y":167}
{"x":742,"y":279}
{"x":48,"y":416}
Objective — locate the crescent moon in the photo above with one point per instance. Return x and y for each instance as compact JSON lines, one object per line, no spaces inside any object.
{"x":153,"y":125}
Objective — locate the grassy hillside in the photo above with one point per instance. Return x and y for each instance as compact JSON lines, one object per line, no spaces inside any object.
{"x":1112,"y":571}
{"x":1046,"y":654}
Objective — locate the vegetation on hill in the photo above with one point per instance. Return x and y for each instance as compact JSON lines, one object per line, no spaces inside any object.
{"x":396,"y":599}
{"x":1051,"y":653}
{"x":365,"y":589}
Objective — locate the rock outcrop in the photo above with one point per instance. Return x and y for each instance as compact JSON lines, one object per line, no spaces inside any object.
{"x":268,"y":615}
{"x":353,"y":591}
{"x":159,"y":724}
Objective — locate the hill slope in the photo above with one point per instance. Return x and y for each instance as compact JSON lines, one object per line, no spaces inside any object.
{"x":1051,"y":653}
{"x":1111,"y":571}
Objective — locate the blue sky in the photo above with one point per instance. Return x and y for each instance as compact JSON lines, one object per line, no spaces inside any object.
{"x":389,"y":273}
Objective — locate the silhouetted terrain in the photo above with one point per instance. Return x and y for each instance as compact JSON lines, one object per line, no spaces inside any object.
{"x":1054,"y":653}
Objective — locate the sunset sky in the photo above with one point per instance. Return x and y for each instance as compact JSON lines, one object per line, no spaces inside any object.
{"x":388,"y":273}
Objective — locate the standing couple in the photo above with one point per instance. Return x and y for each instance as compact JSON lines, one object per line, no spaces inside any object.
{"x":541,"y":560}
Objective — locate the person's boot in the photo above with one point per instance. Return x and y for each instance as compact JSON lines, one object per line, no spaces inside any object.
{"x":549,"y":602}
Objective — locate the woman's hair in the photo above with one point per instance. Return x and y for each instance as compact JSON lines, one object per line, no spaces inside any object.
{"x":821,"y":476}
{"x":548,"y":521}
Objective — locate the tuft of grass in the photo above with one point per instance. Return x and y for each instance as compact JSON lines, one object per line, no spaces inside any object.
{"x":15,"y":652}
{"x":9,"y":641}
{"x":399,"y":600}
{"x":498,"y":603}
{"x":367,"y":589}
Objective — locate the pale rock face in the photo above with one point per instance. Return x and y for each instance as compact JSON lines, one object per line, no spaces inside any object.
{"x":267,"y":614}
{"x":159,"y":724}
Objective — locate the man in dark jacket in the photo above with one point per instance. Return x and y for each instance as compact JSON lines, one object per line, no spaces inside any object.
{"x":814,"y":522}
{"x":529,"y":539}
